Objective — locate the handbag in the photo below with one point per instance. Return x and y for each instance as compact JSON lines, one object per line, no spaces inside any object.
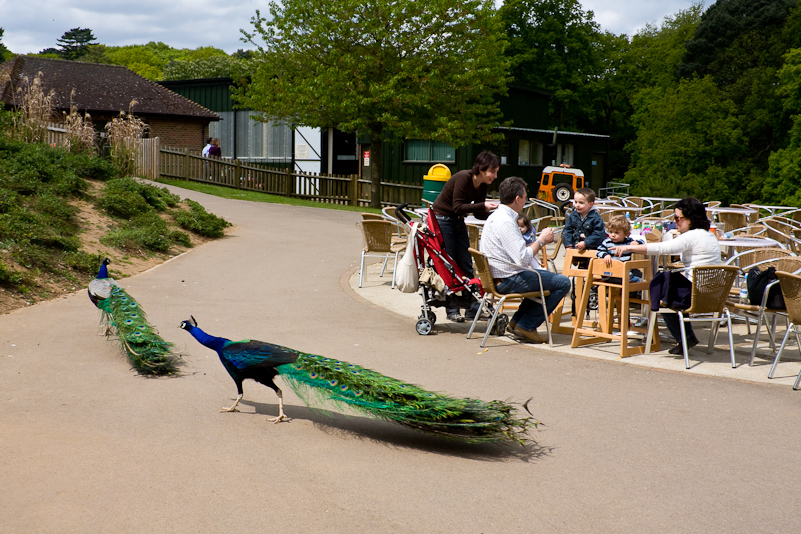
{"x":407,"y":279}
{"x":756,"y":280}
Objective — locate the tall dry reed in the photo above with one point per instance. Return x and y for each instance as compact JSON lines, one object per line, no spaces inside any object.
{"x":81,"y":135}
{"x":35,"y":109}
{"x":123,"y":133}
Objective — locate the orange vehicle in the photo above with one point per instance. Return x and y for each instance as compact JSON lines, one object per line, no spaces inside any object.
{"x":558,"y":184}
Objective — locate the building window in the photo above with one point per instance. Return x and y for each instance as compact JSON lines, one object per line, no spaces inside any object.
{"x":422,"y":150}
{"x":529,"y":152}
{"x":564,"y":154}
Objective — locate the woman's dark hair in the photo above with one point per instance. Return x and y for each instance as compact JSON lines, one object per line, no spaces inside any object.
{"x":693,"y":210}
{"x":486,"y":160}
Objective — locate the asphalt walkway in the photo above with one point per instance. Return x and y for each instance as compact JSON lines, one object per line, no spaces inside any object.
{"x":86,"y":445}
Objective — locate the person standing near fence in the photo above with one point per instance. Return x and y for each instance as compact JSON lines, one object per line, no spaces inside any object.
{"x":205,"y":153}
{"x":465,"y":193}
{"x":215,"y":153}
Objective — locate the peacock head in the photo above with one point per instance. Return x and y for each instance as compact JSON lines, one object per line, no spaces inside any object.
{"x":189,"y":324}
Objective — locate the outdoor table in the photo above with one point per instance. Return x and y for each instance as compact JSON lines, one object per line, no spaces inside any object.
{"x":470,"y":219}
{"x":771,"y":209}
{"x":723,"y":209}
{"x":752,"y":242}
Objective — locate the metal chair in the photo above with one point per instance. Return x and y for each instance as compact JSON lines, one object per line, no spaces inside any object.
{"x":491,"y":296}
{"x":378,"y":238}
{"x":710,"y":289}
{"x":791,"y":289}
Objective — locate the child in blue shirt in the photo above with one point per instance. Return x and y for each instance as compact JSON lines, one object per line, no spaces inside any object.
{"x":619,"y":230}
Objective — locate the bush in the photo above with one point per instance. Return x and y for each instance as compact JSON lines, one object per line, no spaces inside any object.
{"x":126,"y":198}
{"x":198,"y":220}
{"x":147,"y":231}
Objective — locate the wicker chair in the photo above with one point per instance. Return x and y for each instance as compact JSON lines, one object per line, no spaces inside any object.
{"x":710,"y":289}
{"x":378,"y":238}
{"x":473,"y":234}
{"x":791,"y":289}
{"x":491,"y":296}
{"x":732,"y":221}
{"x":763,"y":258}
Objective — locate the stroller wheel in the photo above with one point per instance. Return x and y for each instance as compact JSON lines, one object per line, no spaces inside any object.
{"x":501,"y":322}
{"x":423,"y":327}
{"x":592,"y":303}
{"x":431,"y":317}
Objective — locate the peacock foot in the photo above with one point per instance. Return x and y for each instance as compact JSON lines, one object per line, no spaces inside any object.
{"x":278,"y":419}
{"x":229,"y":409}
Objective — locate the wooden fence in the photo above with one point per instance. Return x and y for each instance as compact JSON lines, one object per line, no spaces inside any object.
{"x":147,"y":150}
{"x":348,"y":190}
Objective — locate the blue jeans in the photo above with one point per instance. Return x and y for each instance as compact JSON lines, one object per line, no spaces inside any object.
{"x":454,"y":235}
{"x":529,"y":316}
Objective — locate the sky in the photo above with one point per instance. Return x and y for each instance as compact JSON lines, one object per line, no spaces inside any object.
{"x":33,"y":25}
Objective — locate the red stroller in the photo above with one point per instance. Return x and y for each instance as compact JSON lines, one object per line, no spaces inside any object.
{"x":441,"y":280}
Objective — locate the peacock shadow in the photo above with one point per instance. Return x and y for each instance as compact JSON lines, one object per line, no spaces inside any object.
{"x":396,"y":435}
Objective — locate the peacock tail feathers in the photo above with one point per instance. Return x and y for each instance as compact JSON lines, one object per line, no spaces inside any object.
{"x":315,"y":377}
{"x":148,"y":353}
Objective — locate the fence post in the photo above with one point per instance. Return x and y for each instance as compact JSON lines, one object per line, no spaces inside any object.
{"x":238,"y":173}
{"x":289,"y":185}
{"x":354,"y":190}
{"x":186,"y":164}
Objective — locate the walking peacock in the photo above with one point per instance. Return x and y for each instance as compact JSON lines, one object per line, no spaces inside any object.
{"x":372,"y":393}
{"x":148,"y":353}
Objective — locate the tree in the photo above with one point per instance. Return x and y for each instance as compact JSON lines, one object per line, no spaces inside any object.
{"x":5,"y":53}
{"x":553,"y":45}
{"x":688,"y":142}
{"x":426,"y":69}
{"x":73,"y":44}
{"x":212,"y":67}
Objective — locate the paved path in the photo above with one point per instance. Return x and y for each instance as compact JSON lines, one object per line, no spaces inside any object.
{"x":88,"y":446}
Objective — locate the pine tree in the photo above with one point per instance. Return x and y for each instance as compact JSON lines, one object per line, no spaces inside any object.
{"x":74,"y":43}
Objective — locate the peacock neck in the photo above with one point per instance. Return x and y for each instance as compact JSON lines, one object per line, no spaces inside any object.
{"x":213,"y":342}
{"x":103,"y":272}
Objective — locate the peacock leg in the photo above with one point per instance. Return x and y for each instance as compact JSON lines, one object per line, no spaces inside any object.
{"x":281,"y":416}
{"x":233,"y":407}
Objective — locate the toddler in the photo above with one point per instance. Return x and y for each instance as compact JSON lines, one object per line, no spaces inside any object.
{"x":619,"y":231}
{"x":529,"y":235}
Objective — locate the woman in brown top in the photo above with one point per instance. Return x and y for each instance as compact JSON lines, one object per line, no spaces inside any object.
{"x":463,"y":194}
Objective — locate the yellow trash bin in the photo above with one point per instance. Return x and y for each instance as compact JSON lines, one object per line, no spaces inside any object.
{"x":434,"y":181}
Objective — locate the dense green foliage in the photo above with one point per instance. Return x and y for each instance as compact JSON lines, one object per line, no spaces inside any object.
{"x":428,"y":69}
{"x":198,"y":220}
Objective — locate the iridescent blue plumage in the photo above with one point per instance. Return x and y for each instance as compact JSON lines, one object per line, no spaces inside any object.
{"x":367,"y":391}
{"x":148,"y":353}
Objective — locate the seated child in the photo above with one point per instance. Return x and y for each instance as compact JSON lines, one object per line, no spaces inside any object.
{"x":619,"y":231}
{"x":584,"y":227}
{"x":529,"y":235}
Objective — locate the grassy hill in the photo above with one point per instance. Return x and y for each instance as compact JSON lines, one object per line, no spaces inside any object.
{"x":61,"y":213}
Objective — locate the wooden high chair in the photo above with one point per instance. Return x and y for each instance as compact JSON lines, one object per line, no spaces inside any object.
{"x":571,"y":269}
{"x":614,"y":297}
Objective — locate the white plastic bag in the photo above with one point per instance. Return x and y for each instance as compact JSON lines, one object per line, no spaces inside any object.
{"x":407,"y":277}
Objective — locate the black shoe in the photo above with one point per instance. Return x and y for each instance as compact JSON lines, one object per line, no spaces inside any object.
{"x":678,"y":350}
{"x":455,"y":317}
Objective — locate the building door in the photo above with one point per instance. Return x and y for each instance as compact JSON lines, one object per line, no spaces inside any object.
{"x":598,"y":171}
{"x":341,"y":152}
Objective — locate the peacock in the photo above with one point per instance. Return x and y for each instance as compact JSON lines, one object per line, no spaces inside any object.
{"x":347,"y":385}
{"x":148,"y":353}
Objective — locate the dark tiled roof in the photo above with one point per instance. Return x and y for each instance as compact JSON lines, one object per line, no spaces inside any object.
{"x":99,"y":89}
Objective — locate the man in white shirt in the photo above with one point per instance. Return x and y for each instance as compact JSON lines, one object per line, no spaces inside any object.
{"x":501,"y":239}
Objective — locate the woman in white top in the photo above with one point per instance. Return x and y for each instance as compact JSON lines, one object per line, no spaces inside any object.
{"x":695,"y":244}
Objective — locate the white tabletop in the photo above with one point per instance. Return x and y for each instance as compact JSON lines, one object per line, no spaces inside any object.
{"x":470,"y":219}
{"x":756,"y":242}
{"x":725,"y":209}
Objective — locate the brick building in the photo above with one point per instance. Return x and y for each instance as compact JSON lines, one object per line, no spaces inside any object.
{"x":104,"y":91}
